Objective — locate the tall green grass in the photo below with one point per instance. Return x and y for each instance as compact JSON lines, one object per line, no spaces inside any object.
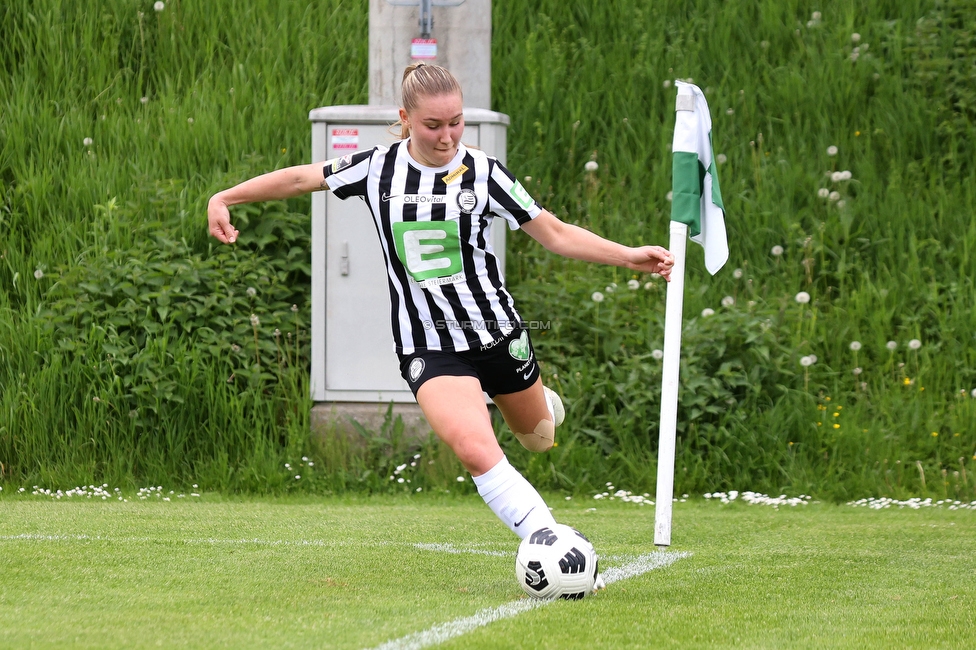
{"x":121,"y":324}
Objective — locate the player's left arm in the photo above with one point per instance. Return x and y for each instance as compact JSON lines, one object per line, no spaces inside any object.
{"x":578,"y":243}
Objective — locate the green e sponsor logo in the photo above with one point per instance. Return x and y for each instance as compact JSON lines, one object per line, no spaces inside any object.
{"x":519,"y":194}
{"x":428,"y":249}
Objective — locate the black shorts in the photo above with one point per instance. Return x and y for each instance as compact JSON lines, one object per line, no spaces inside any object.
{"x":507,"y":365}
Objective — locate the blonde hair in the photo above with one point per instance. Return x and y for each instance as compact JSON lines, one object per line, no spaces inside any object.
{"x":424,"y":80}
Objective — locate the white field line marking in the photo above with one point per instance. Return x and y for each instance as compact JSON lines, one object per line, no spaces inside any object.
{"x":445,"y":631}
{"x":450,"y":548}
{"x":437,"y":547}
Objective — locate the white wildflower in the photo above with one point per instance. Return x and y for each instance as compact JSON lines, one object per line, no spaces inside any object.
{"x":597,"y":296}
{"x":803,"y":297}
{"x":591,"y":166}
{"x":914,"y":344}
{"x":255,"y":321}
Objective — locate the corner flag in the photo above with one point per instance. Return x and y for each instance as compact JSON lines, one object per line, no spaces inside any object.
{"x":696,"y":199}
{"x":696,"y":210}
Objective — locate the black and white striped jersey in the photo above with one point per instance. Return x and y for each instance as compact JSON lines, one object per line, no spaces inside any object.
{"x":434,"y":224}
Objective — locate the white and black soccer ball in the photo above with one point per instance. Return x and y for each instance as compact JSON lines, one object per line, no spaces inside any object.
{"x":556,"y":562}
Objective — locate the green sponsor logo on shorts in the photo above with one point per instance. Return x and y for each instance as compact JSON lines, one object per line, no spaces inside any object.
{"x":520,"y":195}
{"x":428,"y":249}
{"x":520,"y":349}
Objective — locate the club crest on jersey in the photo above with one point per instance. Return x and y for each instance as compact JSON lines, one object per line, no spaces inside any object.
{"x":467,"y":200}
{"x":416,"y":369}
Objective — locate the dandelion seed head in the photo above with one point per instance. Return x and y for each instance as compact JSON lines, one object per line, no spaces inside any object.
{"x":841,"y":204}
{"x":914,"y":344}
{"x":648,"y":286}
{"x":88,"y":142}
{"x":831,"y":150}
{"x":806,"y":362}
{"x":855,"y":38}
{"x":846,"y":175}
{"x":38,"y":274}
{"x":728,"y":301}
{"x":737,"y":274}
{"x":657,"y":354}
{"x":144,"y":100}
{"x":159,"y":6}
{"x":891,"y":345}
{"x":251,"y":291}
{"x":855,"y":345}
{"x":189,"y":120}
{"x":597,"y":297}
{"x":707,"y":311}
{"x":591,"y":166}
{"x":460,"y":479}
{"x":823,"y":192}
{"x":666,"y":83}
{"x":776,"y":250}
{"x":633,"y":284}
{"x":834,"y":196}
{"x":857,"y":371}
{"x":803,"y":297}
{"x":610,"y":288}
{"x":815,"y":15}
{"x":721,"y":158}
{"x":730,"y":111}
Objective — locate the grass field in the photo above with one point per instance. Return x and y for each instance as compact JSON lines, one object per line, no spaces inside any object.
{"x":406,"y":572}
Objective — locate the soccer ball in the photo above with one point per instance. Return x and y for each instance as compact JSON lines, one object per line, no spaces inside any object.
{"x":556,"y":562}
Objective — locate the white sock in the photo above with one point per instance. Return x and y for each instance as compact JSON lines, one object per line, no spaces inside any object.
{"x":513,"y":499}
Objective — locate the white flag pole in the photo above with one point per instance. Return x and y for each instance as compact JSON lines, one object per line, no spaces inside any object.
{"x":669,"y":386}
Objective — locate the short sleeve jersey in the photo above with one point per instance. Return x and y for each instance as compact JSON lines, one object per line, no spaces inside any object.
{"x":447,"y":291}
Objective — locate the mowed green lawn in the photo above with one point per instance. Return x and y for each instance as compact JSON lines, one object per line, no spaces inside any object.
{"x":345,"y":573}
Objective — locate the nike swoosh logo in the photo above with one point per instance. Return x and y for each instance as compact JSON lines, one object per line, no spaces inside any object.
{"x":386,"y":197}
{"x":519,"y":523}
{"x":527,"y":375}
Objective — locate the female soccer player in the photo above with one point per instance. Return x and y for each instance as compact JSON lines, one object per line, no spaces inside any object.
{"x":455,"y":326}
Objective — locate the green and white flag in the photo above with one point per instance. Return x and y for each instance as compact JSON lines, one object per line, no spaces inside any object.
{"x":696,"y":199}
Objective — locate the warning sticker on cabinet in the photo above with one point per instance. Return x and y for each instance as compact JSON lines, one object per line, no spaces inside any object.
{"x":345,"y":139}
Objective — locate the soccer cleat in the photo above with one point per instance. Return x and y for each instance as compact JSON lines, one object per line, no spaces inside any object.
{"x":555,"y":405}
{"x":599,"y":584}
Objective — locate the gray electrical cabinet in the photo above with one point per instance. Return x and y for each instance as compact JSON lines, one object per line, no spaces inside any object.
{"x":352,"y":343}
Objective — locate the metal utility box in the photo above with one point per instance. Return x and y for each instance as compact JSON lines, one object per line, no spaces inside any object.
{"x":352,"y":343}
